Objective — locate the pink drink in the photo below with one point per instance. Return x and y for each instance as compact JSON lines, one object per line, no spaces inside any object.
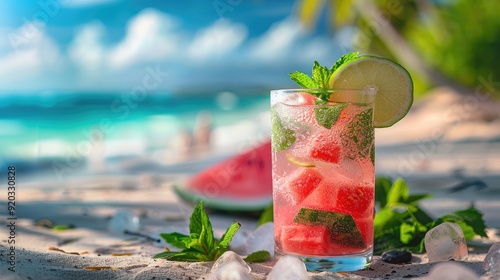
{"x":323,"y":178}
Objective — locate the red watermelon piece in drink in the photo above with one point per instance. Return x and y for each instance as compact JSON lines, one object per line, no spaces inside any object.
{"x":306,"y":240}
{"x":304,"y":183}
{"x":325,"y":148}
{"x":241,"y":183}
{"x":355,"y":200}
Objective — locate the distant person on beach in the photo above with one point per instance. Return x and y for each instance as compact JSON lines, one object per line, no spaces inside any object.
{"x":203,"y":132}
{"x":186,"y":143}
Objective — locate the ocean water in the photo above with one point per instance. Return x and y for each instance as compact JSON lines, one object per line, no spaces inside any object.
{"x":41,"y":127}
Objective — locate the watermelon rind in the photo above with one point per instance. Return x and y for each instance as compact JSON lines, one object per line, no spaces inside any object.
{"x":243,"y":205}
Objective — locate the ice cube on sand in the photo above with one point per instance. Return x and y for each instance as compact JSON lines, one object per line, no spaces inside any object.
{"x":450,"y":271}
{"x":124,"y":220}
{"x":288,"y":267}
{"x":445,"y":242}
{"x":492,"y":259}
{"x":227,"y":257}
{"x":232,"y":270}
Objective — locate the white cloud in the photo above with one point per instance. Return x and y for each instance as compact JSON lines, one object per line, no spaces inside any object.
{"x":277,"y":42}
{"x":86,"y":49}
{"x":150,"y":37}
{"x":216,"y":40}
{"x":32,"y":53}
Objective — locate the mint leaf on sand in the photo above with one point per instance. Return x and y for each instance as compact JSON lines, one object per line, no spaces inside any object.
{"x":200,"y":225}
{"x":258,"y":256}
{"x":401,"y":224}
{"x":225,"y":240}
{"x":200,"y":244}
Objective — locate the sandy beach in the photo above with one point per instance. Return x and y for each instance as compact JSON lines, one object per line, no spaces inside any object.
{"x":91,"y":251}
{"x":88,"y":201}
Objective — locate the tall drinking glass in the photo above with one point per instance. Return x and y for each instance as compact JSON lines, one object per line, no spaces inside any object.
{"x":323,"y":177}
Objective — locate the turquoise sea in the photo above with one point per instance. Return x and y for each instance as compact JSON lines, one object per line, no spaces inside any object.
{"x":39,"y":127}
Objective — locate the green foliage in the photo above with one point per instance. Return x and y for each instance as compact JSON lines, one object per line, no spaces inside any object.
{"x":402,"y":224}
{"x":200,"y":244}
{"x":461,"y":38}
{"x":266,"y":216}
{"x":258,"y":256}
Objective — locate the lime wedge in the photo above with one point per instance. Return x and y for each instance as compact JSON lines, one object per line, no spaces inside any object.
{"x":299,"y":162}
{"x":393,"y":85}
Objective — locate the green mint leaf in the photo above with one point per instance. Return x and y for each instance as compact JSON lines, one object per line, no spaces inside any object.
{"x":229,"y":234}
{"x":402,"y":224}
{"x":419,"y":215}
{"x":199,"y":223}
{"x":412,"y":233}
{"x":387,"y":218}
{"x":266,"y":216}
{"x":398,"y":193}
{"x":303,"y":80}
{"x":258,"y":256}
{"x":225,"y":240}
{"x":176,"y":239}
{"x":343,"y":59}
{"x":470,"y":220}
{"x":282,"y":137}
{"x":328,"y":115}
{"x":194,"y":243}
{"x":182,"y":256}
{"x":382,"y":186}
{"x":387,"y":239}
{"x":413,"y":199}
{"x":321,"y":76}
{"x":62,"y":227}
{"x":360,"y":133}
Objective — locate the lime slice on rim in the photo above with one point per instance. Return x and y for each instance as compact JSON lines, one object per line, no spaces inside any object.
{"x":392,"y":82}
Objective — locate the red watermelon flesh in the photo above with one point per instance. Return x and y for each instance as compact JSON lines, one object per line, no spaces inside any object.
{"x":305,"y":182}
{"x":306,"y":240}
{"x":245,"y":176}
{"x":325,"y":148}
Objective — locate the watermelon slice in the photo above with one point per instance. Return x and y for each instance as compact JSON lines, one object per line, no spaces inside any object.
{"x":240,"y":183}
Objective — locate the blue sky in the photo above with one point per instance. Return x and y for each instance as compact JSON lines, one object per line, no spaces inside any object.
{"x":106,"y":45}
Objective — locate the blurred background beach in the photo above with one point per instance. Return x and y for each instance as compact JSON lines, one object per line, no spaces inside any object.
{"x":115,"y":87}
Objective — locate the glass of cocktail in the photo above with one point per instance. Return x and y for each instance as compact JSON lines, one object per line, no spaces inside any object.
{"x":323,"y":176}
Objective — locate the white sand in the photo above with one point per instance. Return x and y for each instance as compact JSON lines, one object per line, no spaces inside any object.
{"x":89,"y":209}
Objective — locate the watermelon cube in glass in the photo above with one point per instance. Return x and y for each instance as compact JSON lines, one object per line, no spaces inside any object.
{"x":323,"y":177}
